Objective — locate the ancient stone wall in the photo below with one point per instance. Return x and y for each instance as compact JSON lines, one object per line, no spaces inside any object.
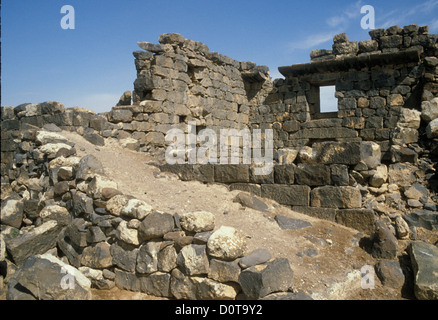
{"x":68,"y":228}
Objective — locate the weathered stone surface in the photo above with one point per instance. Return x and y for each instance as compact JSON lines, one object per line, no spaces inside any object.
{"x":261,"y":280}
{"x":208,"y":289}
{"x":287,"y":223}
{"x":348,"y":153}
{"x":120,"y":115}
{"x":336,"y":197}
{"x":287,"y":296}
{"x":181,"y":286}
{"x":156,"y":284}
{"x":359,"y":219}
{"x":429,"y":110}
{"x":116,"y":204}
{"x":390,"y":274}
{"x":57,"y":213}
{"x":401,"y":174}
{"x":36,"y":241}
{"x":385,"y":244}
{"x":370,"y":154}
{"x":251,"y":201}
{"x":167,"y":259}
{"x":284,"y":174}
{"x":312,"y":174}
{"x":197,"y":221}
{"x":432,"y":129}
{"x":402,"y":154}
{"x":97,"y":278}
{"x":98,"y":183}
{"x":417,"y":192}
{"x":12,"y":212}
{"x":124,"y":257}
{"x":126,"y":280}
{"x":47,"y":278}
{"x":258,"y":256}
{"x":45,"y":137}
{"x":294,"y":195}
{"x":97,"y":256}
{"x":227,"y":243}
{"x":136,"y":209}
{"x":193,"y":260}
{"x":379,"y":177}
{"x":155,"y":225}
{"x":287,"y":155}
{"x":147,"y":257}
{"x":231,"y":173}
{"x":126,"y":234}
{"x":424,"y":259}
{"x":224,"y":271}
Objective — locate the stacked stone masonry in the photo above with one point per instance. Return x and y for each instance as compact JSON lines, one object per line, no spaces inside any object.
{"x":372,"y":159}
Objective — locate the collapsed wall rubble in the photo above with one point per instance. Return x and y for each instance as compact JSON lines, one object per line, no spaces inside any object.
{"x":370,"y":166}
{"x":60,"y":212}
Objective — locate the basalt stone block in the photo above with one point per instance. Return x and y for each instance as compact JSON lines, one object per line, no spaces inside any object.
{"x":385,"y":244}
{"x":231,"y":173}
{"x":293,"y":195}
{"x":312,"y":174}
{"x":261,"y":280}
{"x":36,"y":241}
{"x":284,"y":174}
{"x":155,"y":225}
{"x":359,"y":219}
{"x":347,"y":153}
{"x":424,"y":259}
{"x":336,"y":197}
{"x":320,"y":213}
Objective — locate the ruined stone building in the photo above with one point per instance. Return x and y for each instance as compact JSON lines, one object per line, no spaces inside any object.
{"x":371,"y":158}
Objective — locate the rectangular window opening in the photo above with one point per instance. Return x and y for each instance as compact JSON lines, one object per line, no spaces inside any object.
{"x":328,"y":103}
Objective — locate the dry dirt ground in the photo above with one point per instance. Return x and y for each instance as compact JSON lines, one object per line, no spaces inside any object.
{"x":329,"y":270}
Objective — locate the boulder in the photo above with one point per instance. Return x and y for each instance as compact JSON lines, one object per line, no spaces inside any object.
{"x":97,"y":278}
{"x":336,"y":197}
{"x":250,"y":201}
{"x":45,"y":277}
{"x":417,"y":192}
{"x":260,"y":280}
{"x":88,"y":167}
{"x":12,"y":212}
{"x":312,"y":174}
{"x":432,"y":129}
{"x":147,"y":257}
{"x":359,"y":219}
{"x":208,"y":289}
{"x":370,"y":154}
{"x":197,"y":221}
{"x":97,"y":256}
{"x":124,"y":256}
{"x":424,"y":259}
{"x":57,"y":213}
{"x":227,"y":243}
{"x":287,"y":223}
{"x":126,"y":234}
{"x":136,"y":209}
{"x":224,"y":271}
{"x":33,"y":242}
{"x":258,"y":256}
{"x":98,"y":183}
{"x":385,"y":244}
{"x":379,"y":177}
{"x":167,"y":258}
{"x":287,"y":155}
{"x":402,"y":174}
{"x":193,"y":260}
{"x":429,"y":110}
{"x":155,"y":225}
{"x":45,"y":137}
{"x":390,"y":274}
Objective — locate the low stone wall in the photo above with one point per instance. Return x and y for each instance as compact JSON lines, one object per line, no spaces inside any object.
{"x":67,"y":228}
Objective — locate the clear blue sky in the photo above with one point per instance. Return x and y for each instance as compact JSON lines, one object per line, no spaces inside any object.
{"x":92,"y":65}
